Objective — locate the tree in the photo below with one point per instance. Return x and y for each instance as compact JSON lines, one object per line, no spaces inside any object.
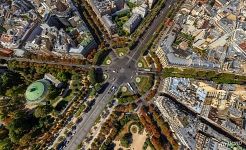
{"x":54,"y":92}
{"x":20,"y":126}
{"x":42,"y":111}
{"x":14,"y":91}
{"x":5,"y":144}
{"x":63,"y":76}
{"x":92,"y":75}
{"x":8,"y":80}
{"x":45,"y":122}
{"x":24,"y":141}
{"x":3,"y":133}
{"x":75,"y":76}
{"x":100,"y":56}
{"x":126,"y":140}
{"x":5,"y":79}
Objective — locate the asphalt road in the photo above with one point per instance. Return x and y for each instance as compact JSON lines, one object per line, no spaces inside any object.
{"x":122,"y":70}
{"x":89,"y":119}
{"x":151,"y":31}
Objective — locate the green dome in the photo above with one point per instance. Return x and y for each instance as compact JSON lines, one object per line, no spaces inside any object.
{"x":37,"y":91}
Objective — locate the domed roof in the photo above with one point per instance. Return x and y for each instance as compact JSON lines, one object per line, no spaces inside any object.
{"x":37,"y":91}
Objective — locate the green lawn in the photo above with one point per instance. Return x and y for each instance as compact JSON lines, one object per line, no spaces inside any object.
{"x":145,"y":84}
{"x":55,"y":101}
{"x":143,"y":62}
{"x":125,"y":97}
{"x":106,"y":59}
{"x":123,"y":51}
{"x":70,"y":95}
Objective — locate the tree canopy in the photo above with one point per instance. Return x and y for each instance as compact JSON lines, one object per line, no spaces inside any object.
{"x":42,"y":111}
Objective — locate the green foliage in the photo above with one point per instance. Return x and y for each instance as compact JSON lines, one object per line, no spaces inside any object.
{"x":148,"y":143}
{"x":127,"y":99}
{"x":146,"y":22}
{"x":5,"y":144}
{"x":219,"y":78}
{"x":20,"y":126}
{"x":187,"y":36}
{"x":45,"y":122}
{"x":53,"y":92}
{"x":95,"y":89}
{"x":100,"y":56}
{"x":126,"y":140}
{"x":120,"y":20}
{"x":131,"y":5}
{"x":145,"y":83}
{"x":108,"y":145}
{"x":92,"y":75}
{"x":127,"y":118}
{"x":14,"y":102}
{"x":95,"y":77}
{"x":63,"y":76}
{"x":93,"y":92}
{"x":98,"y":86}
{"x":3,"y":132}
{"x":24,"y":140}
{"x":8,"y":80}
{"x":24,"y":125}
{"x":124,"y":51}
{"x":42,"y":111}
{"x":15,"y":91}
{"x":61,"y":105}
{"x":81,"y":109}
{"x":75,"y":76}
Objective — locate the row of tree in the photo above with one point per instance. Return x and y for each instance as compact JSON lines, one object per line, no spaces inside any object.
{"x":35,"y":71}
{"x":164,"y":126}
{"x":219,"y":78}
{"x":157,"y":138}
{"x":52,"y":58}
{"x":146,"y":23}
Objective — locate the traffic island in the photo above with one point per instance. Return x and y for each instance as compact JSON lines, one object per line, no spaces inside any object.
{"x":107,"y":61}
{"x":142,"y":63}
{"x":144,"y":83}
{"x":122,"y":52}
{"x":125,"y":96}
